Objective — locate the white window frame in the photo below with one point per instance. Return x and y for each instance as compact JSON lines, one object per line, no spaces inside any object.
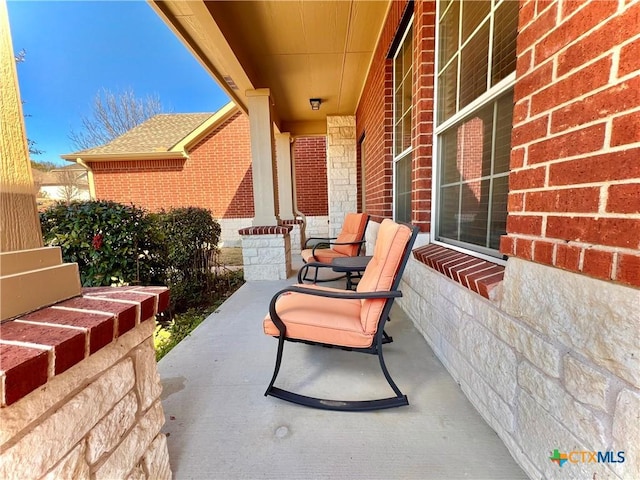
{"x":406,"y":151}
{"x":489,"y":96}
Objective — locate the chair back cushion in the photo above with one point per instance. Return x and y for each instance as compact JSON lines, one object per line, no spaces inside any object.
{"x":352,"y":231}
{"x":381,"y":270}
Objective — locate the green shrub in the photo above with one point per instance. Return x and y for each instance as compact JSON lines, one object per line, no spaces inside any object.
{"x":112,"y":243}
{"x":117,"y":244}
{"x":191,"y":237}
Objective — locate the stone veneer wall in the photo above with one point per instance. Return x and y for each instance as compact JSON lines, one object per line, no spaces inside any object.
{"x":229,"y":227}
{"x":550,"y":362}
{"x":266,"y":252}
{"x":100,"y":418}
{"x":316,"y":227}
{"x":341,"y":170}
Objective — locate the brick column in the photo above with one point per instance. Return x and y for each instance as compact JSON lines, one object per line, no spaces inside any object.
{"x":341,"y":170}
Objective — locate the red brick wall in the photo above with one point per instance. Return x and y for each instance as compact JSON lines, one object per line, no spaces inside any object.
{"x":310,"y":154}
{"x":423,"y":112}
{"x":216,"y":176}
{"x":374,"y":116}
{"x":574,"y":198}
{"x":374,"y":119}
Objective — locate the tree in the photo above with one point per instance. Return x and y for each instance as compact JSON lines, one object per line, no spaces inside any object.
{"x":43,"y":166}
{"x":69,"y":190}
{"x":113,"y":114}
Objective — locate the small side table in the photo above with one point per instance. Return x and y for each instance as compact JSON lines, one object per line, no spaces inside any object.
{"x":352,"y":267}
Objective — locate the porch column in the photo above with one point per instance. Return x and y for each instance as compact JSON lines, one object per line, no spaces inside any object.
{"x":341,"y":170}
{"x":285,"y":183}
{"x":262,"y":161}
{"x":30,"y":276}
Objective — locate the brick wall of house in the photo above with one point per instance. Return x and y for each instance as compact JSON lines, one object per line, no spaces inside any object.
{"x":217,"y":175}
{"x":375,"y":115}
{"x":423,"y":112}
{"x":574,"y":199}
{"x":310,"y":154}
{"x":374,"y":118}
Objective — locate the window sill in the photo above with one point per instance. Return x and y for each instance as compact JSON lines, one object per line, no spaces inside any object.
{"x":474,"y":273}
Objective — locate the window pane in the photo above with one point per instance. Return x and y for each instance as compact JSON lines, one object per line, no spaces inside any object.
{"x":473,"y":212}
{"x":406,"y":131}
{"x":474,"y":66}
{"x":474,"y":145}
{"x":504,"y":119}
{"x":443,"y":7}
{"x":473,"y":13}
{"x":504,"y":41}
{"x":448,"y":33}
{"x":448,"y":154}
{"x":447,"y":85}
{"x":402,"y":132}
{"x":397,"y":72}
{"x":407,"y":53}
{"x":403,"y":189}
{"x":397,"y":149}
{"x":498,"y":210}
{"x":406,"y":95}
{"x":449,"y":207}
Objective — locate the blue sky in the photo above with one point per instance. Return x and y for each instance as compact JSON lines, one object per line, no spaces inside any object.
{"x":76,"y":48}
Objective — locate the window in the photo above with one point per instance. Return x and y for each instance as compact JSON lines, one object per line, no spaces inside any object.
{"x":476,"y":73}
{"x":402,"y":123}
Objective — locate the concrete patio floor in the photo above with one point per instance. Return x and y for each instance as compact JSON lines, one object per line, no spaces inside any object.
{"x":220,"y":425}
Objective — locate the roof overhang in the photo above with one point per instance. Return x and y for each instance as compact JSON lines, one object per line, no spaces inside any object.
{"x":297,"y":49}
{"x":113,"y":157}
{"x":203,"y":130}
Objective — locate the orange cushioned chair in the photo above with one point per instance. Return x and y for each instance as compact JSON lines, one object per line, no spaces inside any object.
{"x":350,"y":320}
{"x":347,"y":244}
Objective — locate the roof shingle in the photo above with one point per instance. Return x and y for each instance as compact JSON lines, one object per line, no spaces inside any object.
{"x":158,"y":134}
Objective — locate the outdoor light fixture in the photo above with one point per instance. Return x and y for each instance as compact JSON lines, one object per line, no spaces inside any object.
{"x":315,"y":103}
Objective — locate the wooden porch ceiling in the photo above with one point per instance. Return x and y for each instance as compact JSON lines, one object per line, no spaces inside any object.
{"x":298,"y":49}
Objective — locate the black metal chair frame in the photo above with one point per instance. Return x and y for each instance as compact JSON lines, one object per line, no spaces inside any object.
{"x":380,"y":338}
{"x":326,"y":243}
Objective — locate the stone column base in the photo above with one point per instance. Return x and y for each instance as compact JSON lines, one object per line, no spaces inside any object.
{"x":266,"y":252}
{"x":296,"y":241}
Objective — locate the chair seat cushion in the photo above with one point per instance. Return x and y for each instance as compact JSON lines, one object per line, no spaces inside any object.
{"x":320,"y":319}
{"x":323,"y":255}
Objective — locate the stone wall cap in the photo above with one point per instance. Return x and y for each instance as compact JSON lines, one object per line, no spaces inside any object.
{"x":39,"y":345}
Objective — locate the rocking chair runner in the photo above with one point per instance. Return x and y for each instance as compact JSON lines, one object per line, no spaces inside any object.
{"x":347,"y":244}
{"x":349,"y":320}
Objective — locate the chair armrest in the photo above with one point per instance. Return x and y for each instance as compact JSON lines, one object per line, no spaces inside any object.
{"x":313,"y":252}
{"x":343,"y":294}
{"x":323,"y":239}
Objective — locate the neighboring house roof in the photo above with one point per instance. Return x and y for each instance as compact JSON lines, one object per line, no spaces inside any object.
{"x":61,"y":176}
{"x":161,"y":136}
